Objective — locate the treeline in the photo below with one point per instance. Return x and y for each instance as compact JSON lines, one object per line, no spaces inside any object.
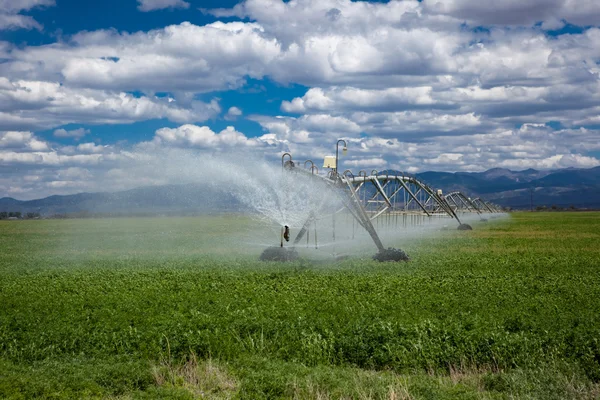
{"x":19,"y":215}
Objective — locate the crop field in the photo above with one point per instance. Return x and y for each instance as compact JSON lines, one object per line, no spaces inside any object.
{"x":174,"y":308}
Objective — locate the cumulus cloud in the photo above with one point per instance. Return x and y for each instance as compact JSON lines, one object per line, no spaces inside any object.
{"x":37,"y":104}
{"x":309,"y":129}
{"x":516,"y":12}
{"x":350,"y":98}
{"x":233,"y":113}
{"x":375,"y":162}
{"x":395,"y":44}
{"x":410,"y":84}
{"x":91,"y":148}
{"x":74,"y":133}
{"x":177,"y":58}
{"x":199,"y":136}
{"x":152,"y":5}
{"x":33,"y":167}
{"x":370,"y":44}
{"x":364,"y":45}
{"x":17,"y":21}
{"x":11,"y":17}
{"x":15,"y":6}
{"x":21,"y":142}
{"x":202,"y":137}
{"x":530,"y":146}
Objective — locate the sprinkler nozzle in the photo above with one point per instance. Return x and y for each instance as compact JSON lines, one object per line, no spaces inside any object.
{"x":286,"y":233}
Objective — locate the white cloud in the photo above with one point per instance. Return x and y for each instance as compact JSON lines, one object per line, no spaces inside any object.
{"x":553,"y":24}
{"x":410,"y":125}
{"x":86,"y":148}
{"x":309,"y":128}
{"x":90,"y":148}
{"x":397,"y":47}
{"x":176,"y":154}
{"x":360,"y":45}
{"x":21,"y":141}
{"x":193,"y":136}
{"x":47,"y":159}
{"x":233,"y":113}
{"x":531,"y":146}
{"x":15,"y":6}
{"x":375,"y":162}
{"x":349,"y":98}
{"x":199,"y":136}
{"x":375,"y":44}
{"x":37,"y":104}
{"x":517,"y":12}
{"x":31,"y":170}
{"x":327,"y":124}
{"x":177,"y":58}
{"x":18,"y":21}
{"x":75,"y":133}
{"x":11,"y":17}
{"x":152,"y":5}
{"x":407,"y":83}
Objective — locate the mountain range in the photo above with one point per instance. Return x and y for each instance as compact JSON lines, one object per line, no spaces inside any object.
{"x":516,"y":189}
{"x":520,"y":189}
{"x":166,"y":199}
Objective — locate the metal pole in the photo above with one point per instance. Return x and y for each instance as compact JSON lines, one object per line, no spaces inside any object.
{"x":531,"y":193}
{"x":337,"y":145}
{"x":336,"y":157}
{"x":334,"y":211}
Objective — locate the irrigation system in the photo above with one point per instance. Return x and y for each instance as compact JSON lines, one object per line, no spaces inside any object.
{"x":397,"y":198}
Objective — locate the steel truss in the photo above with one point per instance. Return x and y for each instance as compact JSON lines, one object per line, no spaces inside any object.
{"x":370,"y":196}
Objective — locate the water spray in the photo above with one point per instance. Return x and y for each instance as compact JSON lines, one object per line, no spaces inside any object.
{"x":369,"y":198}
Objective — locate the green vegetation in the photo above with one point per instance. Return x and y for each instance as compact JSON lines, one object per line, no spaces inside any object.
{"x":168,"y":308}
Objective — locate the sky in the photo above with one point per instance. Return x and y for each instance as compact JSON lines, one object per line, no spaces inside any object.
{"x":90,"y":90}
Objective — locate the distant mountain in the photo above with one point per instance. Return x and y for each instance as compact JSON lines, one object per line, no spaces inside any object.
{"x":527,"y":175}
{"x":155,"y":200}
{"x":564,"y":187}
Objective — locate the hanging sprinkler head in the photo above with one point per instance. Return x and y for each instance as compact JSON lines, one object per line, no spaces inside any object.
{"x":285,"y":234}
{"x":281,"y":254}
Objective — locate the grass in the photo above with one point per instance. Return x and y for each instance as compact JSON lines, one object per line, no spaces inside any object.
{"x":171,"y":308}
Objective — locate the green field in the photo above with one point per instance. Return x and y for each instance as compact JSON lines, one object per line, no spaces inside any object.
{"x":172,"y":308}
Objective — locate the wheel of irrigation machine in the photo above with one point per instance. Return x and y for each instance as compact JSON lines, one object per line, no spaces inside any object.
{"x":279,"y":254}
{"x":391,"y":254}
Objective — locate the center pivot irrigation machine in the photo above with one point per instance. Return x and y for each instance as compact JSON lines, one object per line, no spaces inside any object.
{"x":377,"y":198}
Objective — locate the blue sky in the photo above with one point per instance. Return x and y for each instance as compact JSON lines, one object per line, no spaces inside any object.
{"x":87,"y":89}
{"x":70,"y":17}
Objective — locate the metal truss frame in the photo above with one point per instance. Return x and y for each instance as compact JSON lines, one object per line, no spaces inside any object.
{"x":368,"y":196}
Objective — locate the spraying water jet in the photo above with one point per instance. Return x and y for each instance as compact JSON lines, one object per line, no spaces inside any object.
{"x":376,"y":202}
